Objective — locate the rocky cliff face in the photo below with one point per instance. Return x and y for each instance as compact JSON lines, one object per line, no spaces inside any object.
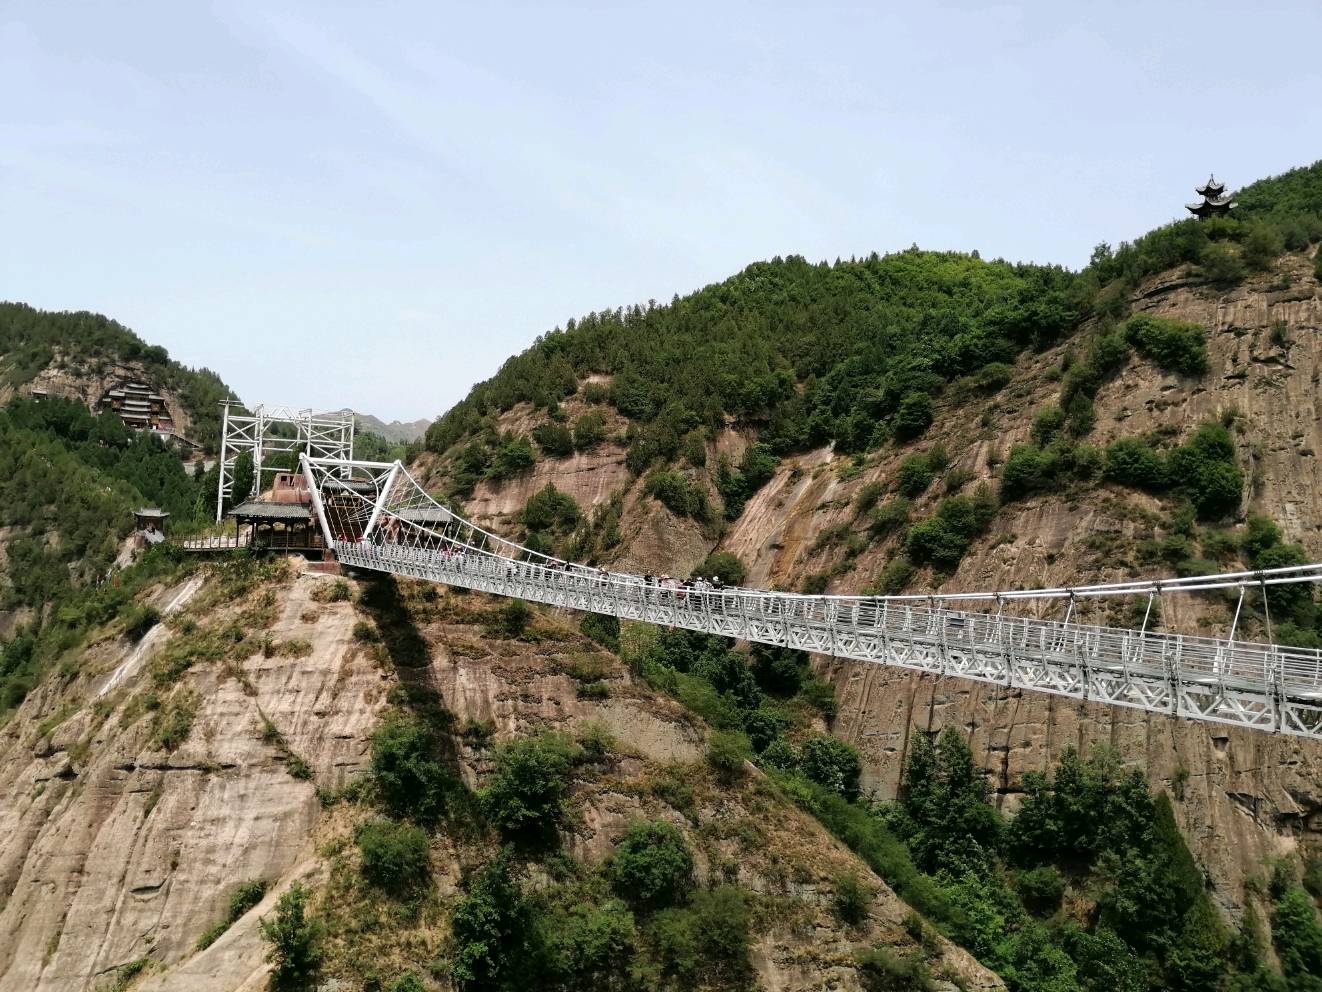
{"x":1242,"y":796}
{"x":66,"y":377}
{"x":115,"y":848}
{"x":143,"y":785}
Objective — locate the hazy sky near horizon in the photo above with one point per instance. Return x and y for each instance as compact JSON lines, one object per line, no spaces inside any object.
{"x":374,"y":205}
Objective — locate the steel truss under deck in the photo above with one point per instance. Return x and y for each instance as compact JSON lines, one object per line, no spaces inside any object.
{"x":393,"y":525}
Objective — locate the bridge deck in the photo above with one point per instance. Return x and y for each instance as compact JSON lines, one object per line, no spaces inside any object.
{"x":1266,"y":687}
{"x":395,"y":526}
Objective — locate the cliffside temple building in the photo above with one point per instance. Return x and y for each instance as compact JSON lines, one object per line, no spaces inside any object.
{"x":141,"y":407}
{"x":138,"y":405}
{"x":283,"y":521}
{"x":1215,"y":202}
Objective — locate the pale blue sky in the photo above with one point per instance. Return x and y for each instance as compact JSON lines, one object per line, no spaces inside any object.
{"x":374,"y":205}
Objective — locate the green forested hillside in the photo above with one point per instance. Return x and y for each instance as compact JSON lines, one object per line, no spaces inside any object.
{"x":69,"y":482}
{"x":853,"y":352}
{"x":859,"y":353}
{"x":815,"y":353}
{"x":31,"y":339}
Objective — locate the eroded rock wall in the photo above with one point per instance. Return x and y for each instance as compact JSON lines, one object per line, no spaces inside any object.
{"x":1246,"y":795}
{"x":112,"y":849}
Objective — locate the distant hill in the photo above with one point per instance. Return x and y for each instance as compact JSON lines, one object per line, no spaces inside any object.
{"x":79,"y":355}
{"x":400,"y":431}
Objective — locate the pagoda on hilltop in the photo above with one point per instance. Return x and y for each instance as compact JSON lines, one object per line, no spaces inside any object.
{"x":1215,"y":202}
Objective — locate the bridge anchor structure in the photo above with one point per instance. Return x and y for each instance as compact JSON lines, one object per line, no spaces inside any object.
{"x":272,"y":431}
{"x":375,"y":516}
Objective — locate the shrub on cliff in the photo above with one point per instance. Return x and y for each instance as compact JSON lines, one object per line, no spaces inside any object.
{"x":651,"y":865}
{"x":726,"y":753}
{"x":882,"y":970}
{"x":677,"y":494}
{"x":1298,"y":938}
{"x":1175,"y":345}
{"x":550,"y":509}
{"x":1041,"y":889}
{"x":589,"y":430}
{"x":890,"y":517}
{"x":737,"y":484}
{"x":589,"y":946}
{"x":493,"y":933}
{"x":555,"y":440}
{"x":514,"y":457}
{"x":527,"y":792}
{"x":831,"y":762}
{"x":1132,"y":461}
{"x":242,"y":899}
{"x":603,"y":629}
{"x":1028,"y":470}
{"x":1262,"y":245}
{"x":511,"y":620}
{"x":1221,"y":265}
{"x":409,"y":779}
{"x":1203,"y":469}
{"x":913,"y":416}
{"x":725,"y":565}
{"x":394,"y":855}
{"x":914,"y":476}
{"x":295,"y":952}
{"x":705,"y":944}
{"x":942,"y":540}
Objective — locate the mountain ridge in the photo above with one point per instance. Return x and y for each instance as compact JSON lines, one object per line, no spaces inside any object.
{"x":398,"y":431}
{"x":1195,"y":333}
{"x":915,"y":395}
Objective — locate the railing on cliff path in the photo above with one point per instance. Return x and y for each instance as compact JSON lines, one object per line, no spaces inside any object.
{"x":394,"y":526}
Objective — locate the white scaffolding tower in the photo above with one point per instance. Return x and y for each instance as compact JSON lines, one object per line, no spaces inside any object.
{"x":271,"y":430}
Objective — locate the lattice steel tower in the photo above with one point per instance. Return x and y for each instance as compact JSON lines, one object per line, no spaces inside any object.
{"x":276,"y":430}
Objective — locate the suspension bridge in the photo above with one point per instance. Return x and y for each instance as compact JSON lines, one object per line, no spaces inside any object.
{"x":375,"y":516}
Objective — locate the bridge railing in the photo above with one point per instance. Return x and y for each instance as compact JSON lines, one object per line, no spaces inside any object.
{"x":396,"y":527}
{"x":1152,"y":653}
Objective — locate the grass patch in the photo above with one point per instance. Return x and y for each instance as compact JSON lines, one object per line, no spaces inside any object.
{"x":126,"y":975}
{"x":174,"y":721}
{"x":242,"y":899}
{"x":332,"y":592}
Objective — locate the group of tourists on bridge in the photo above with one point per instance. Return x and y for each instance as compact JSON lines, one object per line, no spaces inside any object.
{"x":1222,"y":679}
{"x":457,"y":556}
